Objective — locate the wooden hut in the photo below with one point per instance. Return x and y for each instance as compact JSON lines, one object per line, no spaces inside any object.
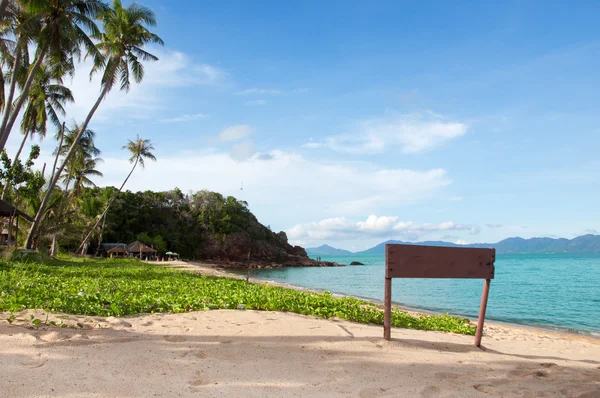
{"x":105,"y":249}
{"x":117,"y":251}
{"x":8,"y":211}
{"x":141,"y":251}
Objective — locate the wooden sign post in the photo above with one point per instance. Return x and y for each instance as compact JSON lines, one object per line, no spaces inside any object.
{"x":411,"y":261}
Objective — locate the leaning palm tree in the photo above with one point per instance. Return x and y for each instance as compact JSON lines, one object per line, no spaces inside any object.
{"x":57,"y":28}
{"x":46,"y":101}
{"x":140,"y":150}
{"x":85,"y":150}
{"x":121,"y":45}
{"x":81,"y":167}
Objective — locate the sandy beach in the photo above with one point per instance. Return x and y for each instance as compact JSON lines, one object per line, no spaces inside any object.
{"x":273,"y":354}
{"x":258,"y":354}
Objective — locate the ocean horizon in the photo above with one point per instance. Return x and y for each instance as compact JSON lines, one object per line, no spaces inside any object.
{"x":556,"y":291}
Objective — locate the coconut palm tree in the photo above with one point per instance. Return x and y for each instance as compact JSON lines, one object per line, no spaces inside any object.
{"x":58,"y":29}
{"x":121,"y":45}
{"x":86,"y":152}
{"x":47,"y":98}
{"x":140,"y":150}
{"x":80,"y":168}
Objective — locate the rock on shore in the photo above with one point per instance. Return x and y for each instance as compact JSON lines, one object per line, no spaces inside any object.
{"x":257,"y":248}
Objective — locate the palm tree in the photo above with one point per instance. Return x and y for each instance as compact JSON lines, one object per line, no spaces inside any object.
{"x":86,"y":151}
{"x":46,"y":99}
{"x":140,"y":150}
{"x":125,"y":34}
{"x":80,"y":168}
{"x":57,"y":28}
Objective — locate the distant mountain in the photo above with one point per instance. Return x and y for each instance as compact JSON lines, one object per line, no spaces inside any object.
{"x":326,"y":250}
{"x":380,"y":248}
{"x":581,"y":244}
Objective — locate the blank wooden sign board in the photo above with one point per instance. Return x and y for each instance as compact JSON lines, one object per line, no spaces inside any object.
{"x":411,"y":261}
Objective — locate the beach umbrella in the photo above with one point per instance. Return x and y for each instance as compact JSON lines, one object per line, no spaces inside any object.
{"x":169,"y":253}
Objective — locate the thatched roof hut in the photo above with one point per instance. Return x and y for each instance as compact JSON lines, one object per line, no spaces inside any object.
{"x":117,"y":251}
{"x":138,"y":247}
{"x":8,"y":211}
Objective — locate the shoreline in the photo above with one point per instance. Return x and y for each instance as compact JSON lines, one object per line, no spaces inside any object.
{"x":215,"y":269}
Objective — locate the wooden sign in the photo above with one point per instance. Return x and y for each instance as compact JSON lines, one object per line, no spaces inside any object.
{"x":412,"y":261}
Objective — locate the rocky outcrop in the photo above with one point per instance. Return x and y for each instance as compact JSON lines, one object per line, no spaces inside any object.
{"x":258,"y":248}
{"x":356,"y":263}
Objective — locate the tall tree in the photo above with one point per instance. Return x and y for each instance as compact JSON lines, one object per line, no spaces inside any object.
{"x":58,"y":29}
{"x":79,"y":169}
{"x":121,"y":45}
{"x":85,"y":149}
{"x":140,"y":150}
{"x":46,"y":101}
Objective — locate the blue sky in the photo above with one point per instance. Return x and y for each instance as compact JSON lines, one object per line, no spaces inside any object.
{"x":354,"y":122}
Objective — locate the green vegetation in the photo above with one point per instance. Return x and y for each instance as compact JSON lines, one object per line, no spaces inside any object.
{"x":39,"y":44}
{"x":125,"y":287}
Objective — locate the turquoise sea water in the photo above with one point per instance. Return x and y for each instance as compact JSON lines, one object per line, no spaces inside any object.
{"x":553,"y":290}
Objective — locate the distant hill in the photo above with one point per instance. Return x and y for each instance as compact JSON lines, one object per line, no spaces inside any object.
{"x":326,"y":250}
{"x":581,"y":244}
{"x":380,"y":248}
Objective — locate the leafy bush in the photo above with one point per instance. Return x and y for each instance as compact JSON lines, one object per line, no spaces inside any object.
{"x":118,"y":287}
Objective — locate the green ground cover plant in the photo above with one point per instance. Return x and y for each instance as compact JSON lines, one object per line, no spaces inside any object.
{"x":119,"y":287}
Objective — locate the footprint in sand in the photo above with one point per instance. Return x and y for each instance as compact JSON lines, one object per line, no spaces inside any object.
{"x":447,"y":375}
{"x":226,"y":341}
{"x":591,"y":394}
{"x":37,"y":361}
{"x":485,"y":388}
{"x":548,"y":364}
{"x":197,"y":382}
{"x":51,"y":337}
{"x":200,"y":355}
{"x":372,"y":392}
{"x":174,"y":338}
{"x":431,"y":391}
{"x":149,"y":323}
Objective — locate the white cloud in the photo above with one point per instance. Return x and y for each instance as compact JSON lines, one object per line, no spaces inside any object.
{"x":243,"y":150}
{"x":412,"y":133}
{"x":493,"y":225}
{"x":234,"y":133}
{"x":172,"y":71}
{"x":373,"y":226}
{"x":257,"y":102}
{"x":261,"y":91}
{"x":312,"y":145}
{"x":374,"y":223}
{"x":208,"y":74}
{"x":184,"y":118}
{"x":283,"y":188}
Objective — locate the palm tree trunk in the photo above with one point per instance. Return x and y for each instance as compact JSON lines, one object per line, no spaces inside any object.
{"x":54,"y":247}
{"x":67,"y":185}
{"x":101,"y":233}
{"x":7,"y":126}
{"x":85,"y":240}
{"x":62,"y":136}
{"x":13,"y":85}
{"x":5,"y":188}
{"x":54,"y":180}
